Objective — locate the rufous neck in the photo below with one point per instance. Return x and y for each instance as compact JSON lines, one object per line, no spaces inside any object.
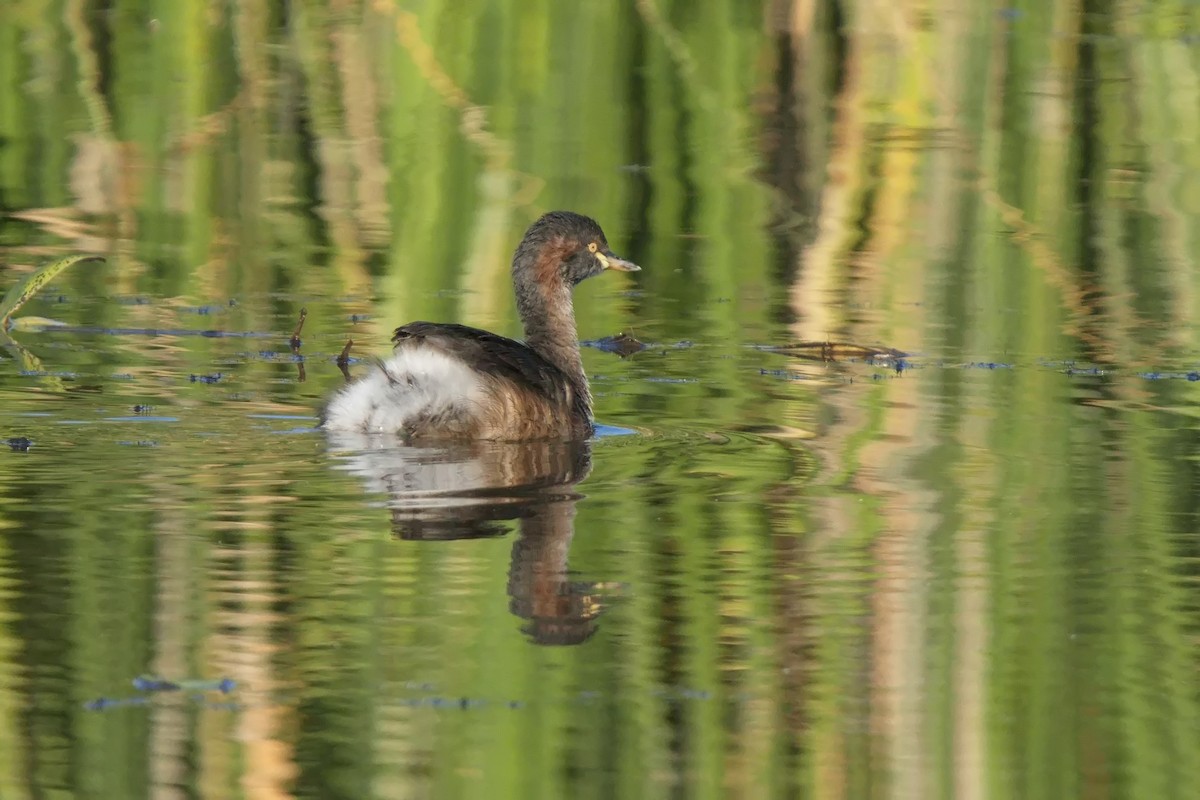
{"x":549,"y":320}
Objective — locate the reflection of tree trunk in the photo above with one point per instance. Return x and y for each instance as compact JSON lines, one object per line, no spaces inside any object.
{"x":872,"y":451}
{"x":170,"y":734}
{"x":809,"y":60}
{"x":970,"y":665}
{"x":815,"y":181}
{"x":486,"y":263}
{"x":790,"y":561}
{"x":900,"y":641}
{"x":362,"y":116}
{"x":104,"y":181}
{"x":14,"y":747}
{"x":785,"y":148}
{"x":242,"y":643}
{"x":335,"y":152}
{"x":235,"y":639}
{"x":1097,"y":313}
{"x":815,"y":299}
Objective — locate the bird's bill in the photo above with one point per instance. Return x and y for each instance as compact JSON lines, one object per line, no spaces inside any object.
{"x":610,"y":261}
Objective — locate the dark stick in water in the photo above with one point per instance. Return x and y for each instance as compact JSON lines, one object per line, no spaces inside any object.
{"x":295,"y":340}
{"x":343,"y":359}
{"x":295,"y":343}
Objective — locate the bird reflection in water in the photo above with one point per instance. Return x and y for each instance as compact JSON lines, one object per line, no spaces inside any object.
{"x":469,"y":490}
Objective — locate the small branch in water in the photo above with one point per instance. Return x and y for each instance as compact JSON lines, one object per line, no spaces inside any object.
{"x":343,"y":359}
{"x":295,"y":340}
{"x":295,"y":344}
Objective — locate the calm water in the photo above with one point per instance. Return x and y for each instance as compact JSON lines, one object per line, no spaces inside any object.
{"x":969,"y":572}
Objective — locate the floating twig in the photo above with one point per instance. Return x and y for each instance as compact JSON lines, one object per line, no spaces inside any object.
{"x":836,"y":351}
{"x":295,"y":340}
{"x":343,"y":359}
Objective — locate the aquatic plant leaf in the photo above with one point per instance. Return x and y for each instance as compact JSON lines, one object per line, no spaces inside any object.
{"x":20,"y":294}
{"x":33,"y":324}
{"x":28,"y":361}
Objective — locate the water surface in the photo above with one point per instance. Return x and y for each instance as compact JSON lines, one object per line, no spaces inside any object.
{"x":968,"y":569}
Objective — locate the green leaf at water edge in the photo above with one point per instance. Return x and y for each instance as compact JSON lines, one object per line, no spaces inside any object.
{"x":20,"y":294}
{"x":32,"y":324}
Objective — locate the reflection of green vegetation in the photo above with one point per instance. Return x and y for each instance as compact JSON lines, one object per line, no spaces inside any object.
{"x":23,"y":292}
{"x":1051,"y":248}
{"x":20,"y":294}
{"x":980,"y":590}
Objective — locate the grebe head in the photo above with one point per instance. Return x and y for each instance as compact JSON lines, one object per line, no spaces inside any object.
{"x":565,"y":248}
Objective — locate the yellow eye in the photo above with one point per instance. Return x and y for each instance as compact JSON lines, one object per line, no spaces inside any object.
{"x":593,"y":247}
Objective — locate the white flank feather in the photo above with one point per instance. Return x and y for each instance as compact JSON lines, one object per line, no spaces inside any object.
{"x":414,"y":383}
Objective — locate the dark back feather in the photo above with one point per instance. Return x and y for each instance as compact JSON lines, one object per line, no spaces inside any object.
{"x":500,"y":357}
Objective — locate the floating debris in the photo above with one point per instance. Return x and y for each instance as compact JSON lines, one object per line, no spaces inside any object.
{"x":622,"y":344}
{"x":213,"y":378}
{"x":786,"y":375}
{"x":1191,"y":377}
{"x":42,"y":373}
{"x":146,"y":684}
{"x":109,"y":703}
{"x":204,"y":311}
{"x":670,"y":694}
{"x":150,"y":683}
{"x":419,"y":686}
{"x":105,"y":703}
{"x":19,"y":444}
{"x":453,"y":703}
{"x":837,"y":351}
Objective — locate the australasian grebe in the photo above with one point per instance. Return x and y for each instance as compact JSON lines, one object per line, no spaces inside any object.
{"x":446,"y":381}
